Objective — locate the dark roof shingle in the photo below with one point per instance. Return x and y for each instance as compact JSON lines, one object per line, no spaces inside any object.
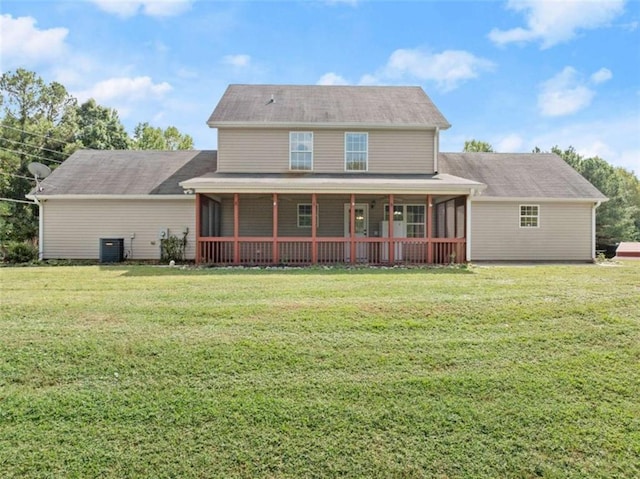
{"x":319,"y":104}
{"x":520,"y":175}
{"x":127,"y":172}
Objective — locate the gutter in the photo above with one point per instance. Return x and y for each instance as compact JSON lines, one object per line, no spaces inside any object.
{"x":185,"y":196}
{"x":537,"y":199}
{"x":320,"y":126}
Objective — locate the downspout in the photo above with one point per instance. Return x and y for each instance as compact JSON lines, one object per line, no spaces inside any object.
{"x":468,"y":226}
{"x":593,"y":229}
{"x":40,"y":227}
{"x":436,"y":149}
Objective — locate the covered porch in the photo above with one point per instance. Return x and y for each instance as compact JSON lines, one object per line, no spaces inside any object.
{"x":330,"y":227}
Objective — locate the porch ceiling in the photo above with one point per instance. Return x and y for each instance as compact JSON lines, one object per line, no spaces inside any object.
{"x":332,"y":184}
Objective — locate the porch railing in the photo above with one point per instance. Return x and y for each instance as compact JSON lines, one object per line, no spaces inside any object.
{"x":334,"y":250}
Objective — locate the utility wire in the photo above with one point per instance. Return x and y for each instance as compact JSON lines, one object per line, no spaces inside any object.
{"x":18,"y":201}
{"x":34,"y":134}
{"x":29,"y":154}
{"x":16,"y":176}
{"x":31,"y":146}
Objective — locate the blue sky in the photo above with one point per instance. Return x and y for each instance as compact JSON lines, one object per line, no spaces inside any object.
{"x":517,"y":74}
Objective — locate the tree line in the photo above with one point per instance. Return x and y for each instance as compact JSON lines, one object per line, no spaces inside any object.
{"x":617,"y":219}
{"x":42,"y":122}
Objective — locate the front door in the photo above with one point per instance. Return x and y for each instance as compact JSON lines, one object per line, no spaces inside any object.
{"x":361,"y":230}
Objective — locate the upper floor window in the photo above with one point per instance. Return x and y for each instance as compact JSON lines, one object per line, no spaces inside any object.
{"x":356,"y":150}
{"x":301,"y":150}
{"x":529,"y":216}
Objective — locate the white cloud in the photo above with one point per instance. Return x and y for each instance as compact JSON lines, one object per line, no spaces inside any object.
{"x":551,"y":21}
{"x":24,"y":44}
{"x":564,"y":94}
{"x":124,"y":89}
{"x":509,"y":143}
{"x":601,"y":76}
{"x":237,"y":60}
{"x":332,"y":79}
{"x":447,"y":69}
{"x":615,"y":140}
{"x":153,"y":8}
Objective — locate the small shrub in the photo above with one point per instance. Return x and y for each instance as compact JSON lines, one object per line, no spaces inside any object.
{"x":19,"y":252}
{"x":173,"y":248}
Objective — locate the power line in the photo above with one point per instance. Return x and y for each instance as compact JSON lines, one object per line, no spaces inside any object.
{"x":47,"y":137}
{"x":16,"y":176}
{"x":31,"y":146}
{"x":29,"y":154}
{"x":18,"y":201}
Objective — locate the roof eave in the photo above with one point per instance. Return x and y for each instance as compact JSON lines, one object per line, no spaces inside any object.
{"x":257,"y":185}
{"x":87,"y":196}
{"x":540,"y":199}
{"x":327,"y":125}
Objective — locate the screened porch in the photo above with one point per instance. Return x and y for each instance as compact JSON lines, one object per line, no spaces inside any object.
{"x":326,"y":229}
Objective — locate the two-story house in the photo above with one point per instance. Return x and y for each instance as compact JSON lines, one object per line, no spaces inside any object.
{"x":321,"y":175}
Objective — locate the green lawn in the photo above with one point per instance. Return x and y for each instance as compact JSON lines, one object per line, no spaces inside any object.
{"x":496,"y":371}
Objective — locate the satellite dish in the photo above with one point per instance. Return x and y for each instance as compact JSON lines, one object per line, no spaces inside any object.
{"x":39,"y":170}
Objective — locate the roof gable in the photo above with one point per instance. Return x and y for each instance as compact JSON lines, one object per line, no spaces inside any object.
{"x":127,"y":172}
{"x":520,"y":175}
{"x":383,"y":106}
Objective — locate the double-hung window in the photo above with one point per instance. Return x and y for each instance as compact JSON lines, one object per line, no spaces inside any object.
{"x":415,"y":221}
{"x":413,"y":217}
{"x":305,"y":215}
{"x":529,"y":216}
{"x":356,"y":151}
{"x":301,"y":150}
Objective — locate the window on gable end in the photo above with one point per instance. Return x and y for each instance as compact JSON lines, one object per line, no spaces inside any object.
{"x":356,"y":151}
{"x":301,"y":150}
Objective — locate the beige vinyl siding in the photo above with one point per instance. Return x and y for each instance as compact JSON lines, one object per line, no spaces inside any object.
{"x":73,"y":228}
{"x":564,"y":232}
{"x":267,"y":150}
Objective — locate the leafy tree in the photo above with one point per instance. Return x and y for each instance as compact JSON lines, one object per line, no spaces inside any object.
{"x":31,"y":109}
{"x":477,"y":146}
{"x":147,"y":137}
{"x":619,"y":218}
{"x":99,"y":128}
{"x":43,"y":122}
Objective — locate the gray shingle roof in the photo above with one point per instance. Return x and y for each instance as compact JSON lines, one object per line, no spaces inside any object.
{"x":319,"y":104}
{"x":127,"y":172}
{"x":520,"y":175}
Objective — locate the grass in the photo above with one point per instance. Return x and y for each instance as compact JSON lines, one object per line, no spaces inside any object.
{"x":141,"y":371}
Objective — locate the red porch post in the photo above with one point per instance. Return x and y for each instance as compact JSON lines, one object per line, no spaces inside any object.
{"x":314,"y":225}
{"x":391,"y":242}
{"x":236,"y":228}
{"x":352,"y":223}
{"x":429,"y":229}
{"x":275,"y":249}
{"x":198,"y":226}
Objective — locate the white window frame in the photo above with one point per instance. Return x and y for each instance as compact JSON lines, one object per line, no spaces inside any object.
{"x":293,"y":134}
{"x":310,"y":215}
{"x":404,"y":216}
{"x":347,"y":151}
{"x":423,"y":223}
{"x":527,"y":215}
